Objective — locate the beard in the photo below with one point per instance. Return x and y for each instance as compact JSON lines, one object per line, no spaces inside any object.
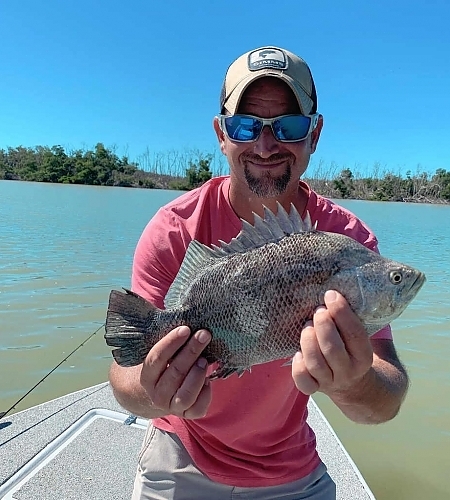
{"x":268,"y":185}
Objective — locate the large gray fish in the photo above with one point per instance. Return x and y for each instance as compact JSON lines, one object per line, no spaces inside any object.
{"x":255,"y":293}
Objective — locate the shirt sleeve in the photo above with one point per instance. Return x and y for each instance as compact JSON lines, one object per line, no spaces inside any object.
{"x":158,"y":256}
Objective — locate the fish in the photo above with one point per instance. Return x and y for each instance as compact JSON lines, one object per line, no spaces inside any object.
{"x":255,"y":293}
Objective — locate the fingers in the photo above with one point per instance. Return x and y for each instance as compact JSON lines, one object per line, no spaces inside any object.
{"x":162,"y":352}
{"x":335,"y":349}
{"x":327,"y":336}
{"x":346,"y":320}
{"x":311,"y":361}
{"x":351,"y":330}
{"x":200,"y":407}
{"x":174,"y":373}
{"x":303,"y":379}
{"x":187,"y":389}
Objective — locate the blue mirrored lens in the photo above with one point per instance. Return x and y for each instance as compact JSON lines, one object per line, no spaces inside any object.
{"x":243,"y":128}
{"x":291,"y":128}
{"x":248,"y":128}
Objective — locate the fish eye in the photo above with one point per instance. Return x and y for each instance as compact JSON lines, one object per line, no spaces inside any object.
{"x":395,"y":277}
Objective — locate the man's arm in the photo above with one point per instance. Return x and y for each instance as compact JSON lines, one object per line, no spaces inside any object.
{"x":172,"y":379}
{"x":363,"y":377}
{"x":381,"y":392}
{"x":129,"y":392}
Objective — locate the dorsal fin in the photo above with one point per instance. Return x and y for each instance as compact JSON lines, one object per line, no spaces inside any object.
{"x":268,"y":230}
{"x":197,"y":257}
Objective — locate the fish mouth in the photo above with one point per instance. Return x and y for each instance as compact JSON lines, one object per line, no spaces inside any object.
{"x":410,"y":292}
{"x":413,"y":290}
{"x":417,"y":284}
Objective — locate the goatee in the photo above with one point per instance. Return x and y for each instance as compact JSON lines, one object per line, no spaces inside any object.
{"x":268,"y":185}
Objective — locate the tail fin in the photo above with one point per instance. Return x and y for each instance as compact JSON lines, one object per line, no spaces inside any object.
{"x":127,"y":325}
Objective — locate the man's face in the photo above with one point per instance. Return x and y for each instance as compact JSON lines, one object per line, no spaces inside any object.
{"x":267,"y":167}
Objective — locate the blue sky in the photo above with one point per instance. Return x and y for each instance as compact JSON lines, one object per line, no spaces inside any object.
{"x":142,"y":75}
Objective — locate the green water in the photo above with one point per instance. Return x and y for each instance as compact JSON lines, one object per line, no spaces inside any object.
{"x":62,"y":248}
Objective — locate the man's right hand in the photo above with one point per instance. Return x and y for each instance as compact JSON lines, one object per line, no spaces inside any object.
{"x":174,"y":377}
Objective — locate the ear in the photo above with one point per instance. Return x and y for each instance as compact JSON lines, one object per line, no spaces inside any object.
{"x":220,"y":134}
{"x":315,"y":134}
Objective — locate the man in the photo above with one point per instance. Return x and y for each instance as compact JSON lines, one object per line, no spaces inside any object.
{"x":248,"y":437}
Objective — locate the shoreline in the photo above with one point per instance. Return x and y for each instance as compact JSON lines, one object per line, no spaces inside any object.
{"x":165,"y":185}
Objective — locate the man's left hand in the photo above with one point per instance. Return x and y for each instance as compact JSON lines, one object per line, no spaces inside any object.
{"x":335,"y":350}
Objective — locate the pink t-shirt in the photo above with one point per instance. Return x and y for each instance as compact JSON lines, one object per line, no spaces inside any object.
{"x":255,"y":432}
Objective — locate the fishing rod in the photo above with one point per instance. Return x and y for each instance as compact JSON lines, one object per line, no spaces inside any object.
{"x":3,"y":414}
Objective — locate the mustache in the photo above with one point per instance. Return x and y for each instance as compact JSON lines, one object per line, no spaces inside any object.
{"x":275,"y":158}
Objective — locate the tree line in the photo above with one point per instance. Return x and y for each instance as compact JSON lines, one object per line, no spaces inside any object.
{"x":101,"y":166}
{"x":98,"y":167}
{"x":419,"y":187}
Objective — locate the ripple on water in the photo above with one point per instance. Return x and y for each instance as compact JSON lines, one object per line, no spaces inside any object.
{"x":64,"y":247}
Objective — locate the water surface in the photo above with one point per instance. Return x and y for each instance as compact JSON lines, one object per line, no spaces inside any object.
{"x":62,"y":249}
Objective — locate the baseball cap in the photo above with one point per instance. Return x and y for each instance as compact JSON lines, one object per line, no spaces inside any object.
{"x":269,"y":61}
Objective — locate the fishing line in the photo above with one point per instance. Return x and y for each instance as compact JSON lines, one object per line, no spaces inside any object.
{"x":3,"y":414}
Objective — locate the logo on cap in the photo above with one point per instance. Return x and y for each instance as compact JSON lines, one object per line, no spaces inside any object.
{"x":267,"y":58}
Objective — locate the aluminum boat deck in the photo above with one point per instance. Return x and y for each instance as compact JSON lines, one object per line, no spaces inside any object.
{"x":84,"y":446}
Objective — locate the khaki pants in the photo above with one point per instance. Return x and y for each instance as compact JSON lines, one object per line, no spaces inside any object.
{"x":166,"y":472}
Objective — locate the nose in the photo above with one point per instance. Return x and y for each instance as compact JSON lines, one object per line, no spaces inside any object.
{"x":266,"y":145}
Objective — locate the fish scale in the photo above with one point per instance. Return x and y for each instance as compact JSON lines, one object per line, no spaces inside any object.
{"x":255,"y":293}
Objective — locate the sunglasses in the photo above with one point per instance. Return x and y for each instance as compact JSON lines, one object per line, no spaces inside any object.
{"x":286,"y":128}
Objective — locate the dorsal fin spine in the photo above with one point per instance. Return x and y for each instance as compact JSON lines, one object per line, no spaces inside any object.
{"x":271,"y":229}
